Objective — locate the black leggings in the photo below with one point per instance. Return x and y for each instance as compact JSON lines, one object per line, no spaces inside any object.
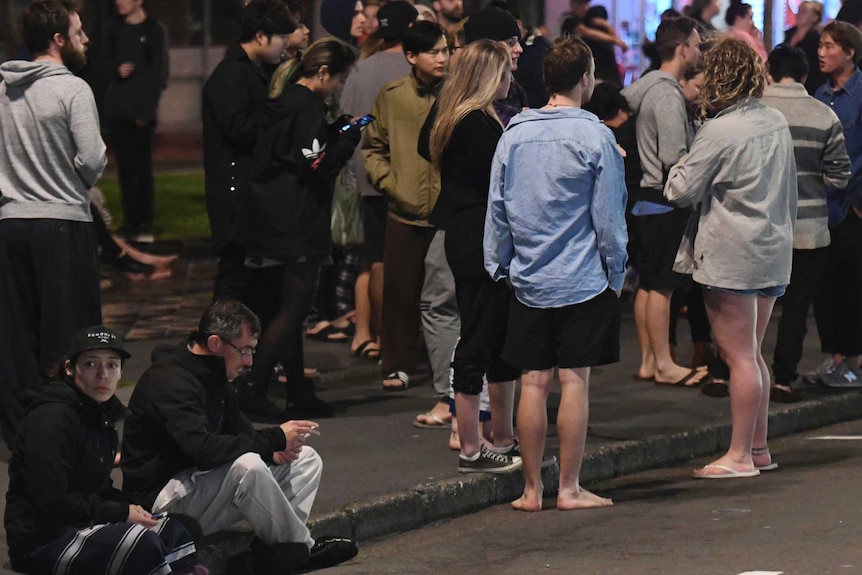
{"x":283,"y":335}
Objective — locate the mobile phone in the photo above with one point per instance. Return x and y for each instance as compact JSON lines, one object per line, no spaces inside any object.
{"x":159,"y":515}
{"x":361,"y":122}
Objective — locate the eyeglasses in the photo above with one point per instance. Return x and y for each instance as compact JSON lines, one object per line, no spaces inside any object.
{"x":243,"y":351}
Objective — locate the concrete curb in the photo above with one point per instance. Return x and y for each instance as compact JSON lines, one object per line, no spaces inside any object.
{"x":426,"y":503}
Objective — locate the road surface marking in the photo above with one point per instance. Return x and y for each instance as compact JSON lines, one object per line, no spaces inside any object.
{"x":839,"y":437}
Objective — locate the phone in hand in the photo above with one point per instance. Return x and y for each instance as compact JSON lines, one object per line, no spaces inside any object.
{"x":360,"y":122}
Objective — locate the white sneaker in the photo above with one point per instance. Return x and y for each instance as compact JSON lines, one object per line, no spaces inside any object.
{"x":816,"y":377}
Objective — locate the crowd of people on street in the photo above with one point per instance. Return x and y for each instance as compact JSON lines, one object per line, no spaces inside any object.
{"x":417,"y":176}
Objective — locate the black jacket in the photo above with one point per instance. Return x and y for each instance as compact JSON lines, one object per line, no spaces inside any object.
{"x":184,"y":414}
{"x":232,"y":100}
{"x":465,"y":176}
{"x":60,"y":472}
{"x":297,"y":157}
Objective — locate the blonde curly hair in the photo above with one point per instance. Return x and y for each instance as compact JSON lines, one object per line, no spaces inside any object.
{"x":733,"y":71}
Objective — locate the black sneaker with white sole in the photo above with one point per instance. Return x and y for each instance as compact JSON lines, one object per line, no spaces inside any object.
{"x":515,"y":451}
{"x":489,"y":462}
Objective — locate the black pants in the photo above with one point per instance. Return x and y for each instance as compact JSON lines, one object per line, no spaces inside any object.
{"x":806,"y":283}
{"x":837,"y":308}
{"x":283,"y":336}
{"x":133,"y":149}
{"x":484,"y":309}
{"x":232,"y":277}
{"x":49,"y":290}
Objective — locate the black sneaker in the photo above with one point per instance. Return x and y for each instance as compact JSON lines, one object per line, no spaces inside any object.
{"x":489,"y":462}
{"x":515,"y":451}
{"x":329,"y":551}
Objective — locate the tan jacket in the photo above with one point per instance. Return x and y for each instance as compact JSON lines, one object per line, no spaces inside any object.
{"x":395,"y":168}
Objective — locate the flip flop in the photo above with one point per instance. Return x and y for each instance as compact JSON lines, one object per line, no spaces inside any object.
{"x":715,"y":388}
{"x":729,"y":472}
{"x":772,"y":466}
{"x":324,"y":334}
{"x":685,"y":381}
{"x":439,"y":422}
{"x":405,"y":381}
{"x":365,"y":352}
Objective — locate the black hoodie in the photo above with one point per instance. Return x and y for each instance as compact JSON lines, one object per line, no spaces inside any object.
{"x":184,"y":414}
{"x":296,"y":159}
{"x":60,"y":472}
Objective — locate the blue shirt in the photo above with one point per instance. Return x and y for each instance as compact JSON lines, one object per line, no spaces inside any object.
{"x":846,"y":102}
{"x":555,"y":224}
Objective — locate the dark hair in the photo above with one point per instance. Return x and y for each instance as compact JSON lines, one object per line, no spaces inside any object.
{"x":607,"y":102}
{"x":336,"y":55}
{"x":695,"y":9}
{"x":297,"y":11}
{"x":671,"y":33}
{"x":225,"y":319}
{"x":737,"y":9}
{"x":565,"y":63}
{"x":421,"y":37}
{"x":786,"y":61}
{"x":596,"y":12}
{"x":840,"y":33}
{"x":43,"y":19}
{"x":266,"y":16}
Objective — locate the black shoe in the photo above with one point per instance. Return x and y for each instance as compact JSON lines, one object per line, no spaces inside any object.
{"x":126,"y":264}
{"x":329,"y":551}
{"x":277,"y":559}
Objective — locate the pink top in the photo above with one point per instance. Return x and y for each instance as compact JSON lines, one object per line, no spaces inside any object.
{"x":752,"y":39}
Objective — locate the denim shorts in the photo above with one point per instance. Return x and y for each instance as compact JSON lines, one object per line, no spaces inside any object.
{"x":774,"y":291}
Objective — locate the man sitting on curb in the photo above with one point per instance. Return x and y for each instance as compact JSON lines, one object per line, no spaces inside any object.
{"x":188,"y":449}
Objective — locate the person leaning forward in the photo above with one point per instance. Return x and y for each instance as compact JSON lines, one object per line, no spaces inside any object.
{"x":188,"y":449}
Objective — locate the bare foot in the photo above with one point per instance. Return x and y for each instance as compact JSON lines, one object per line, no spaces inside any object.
{"x":454,"y":441}
{"x":583,"y":499}
{"x":528,"y":502}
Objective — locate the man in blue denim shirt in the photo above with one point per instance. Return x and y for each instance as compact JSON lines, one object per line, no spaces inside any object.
{"x":555,"y":228}
{"x":838,"y":309}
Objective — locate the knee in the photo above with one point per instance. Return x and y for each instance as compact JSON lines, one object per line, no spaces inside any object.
{"x":310,"y":462}
{"x":248,"y":464}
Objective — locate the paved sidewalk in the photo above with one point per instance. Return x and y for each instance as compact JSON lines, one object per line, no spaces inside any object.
{"x":381,"y":475}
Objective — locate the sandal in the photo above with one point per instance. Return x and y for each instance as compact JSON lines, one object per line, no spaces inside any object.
{"x":755,"y":451}
{"x":366,"y":352}
{"x":405,"y":381}
{"x":436,"y":422}
{"x":329,"y":334}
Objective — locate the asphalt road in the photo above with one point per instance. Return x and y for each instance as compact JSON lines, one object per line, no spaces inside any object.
{"x":802,"y":519}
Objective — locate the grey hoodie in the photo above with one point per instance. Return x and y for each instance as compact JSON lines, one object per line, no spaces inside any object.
{"x":663,"y":130}
{"x":51,"y":151}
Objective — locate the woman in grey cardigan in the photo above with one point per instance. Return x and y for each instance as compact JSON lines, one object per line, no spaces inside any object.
{"x":742,"y":174}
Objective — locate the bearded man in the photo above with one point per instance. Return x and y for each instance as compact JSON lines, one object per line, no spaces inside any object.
{"x":51,"y":153}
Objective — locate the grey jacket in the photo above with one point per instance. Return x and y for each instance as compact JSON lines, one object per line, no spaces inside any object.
{"x":663,"y":131}
{"x":51,"y":151}
{"x":821,"y":159}
{"x":742,"y":172}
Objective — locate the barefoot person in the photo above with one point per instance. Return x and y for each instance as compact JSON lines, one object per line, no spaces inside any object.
{"x":555,"y":229}
{"x":740,"y":175}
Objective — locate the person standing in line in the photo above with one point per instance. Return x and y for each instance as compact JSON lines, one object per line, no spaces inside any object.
{"x":805,"y":35}
{"x":821,"y":163}
{"x":232,"y":100}
{"x":139,"y":72}
{"x":740,"y":176}
{"x":462,"y":144}
{"x":51,"y":153}
{"x":555,"y":229}
{"x":411,"y":186}
{"x":664,"y":134}
{"x":839,"y":311}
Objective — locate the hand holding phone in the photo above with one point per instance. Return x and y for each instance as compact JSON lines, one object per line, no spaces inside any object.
{"x":359,"y":122}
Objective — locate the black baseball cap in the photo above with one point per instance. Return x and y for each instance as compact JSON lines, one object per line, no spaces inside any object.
{"x":96,"y":337}
{"x":395,"y":18}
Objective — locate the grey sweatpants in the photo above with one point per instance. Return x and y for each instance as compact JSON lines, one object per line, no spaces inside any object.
{"x":441,"y":322}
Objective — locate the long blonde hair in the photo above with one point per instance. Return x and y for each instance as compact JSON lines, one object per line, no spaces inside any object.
{"x":732,"y":71}
{"x":471,"y":84}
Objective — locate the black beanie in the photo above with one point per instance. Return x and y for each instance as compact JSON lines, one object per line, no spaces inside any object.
{"x":492,"y":23}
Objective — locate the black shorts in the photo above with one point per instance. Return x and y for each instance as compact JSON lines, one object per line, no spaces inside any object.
{"x":374,"y":228}
{"x":580,"y":335}
{"x":658,"y":239}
